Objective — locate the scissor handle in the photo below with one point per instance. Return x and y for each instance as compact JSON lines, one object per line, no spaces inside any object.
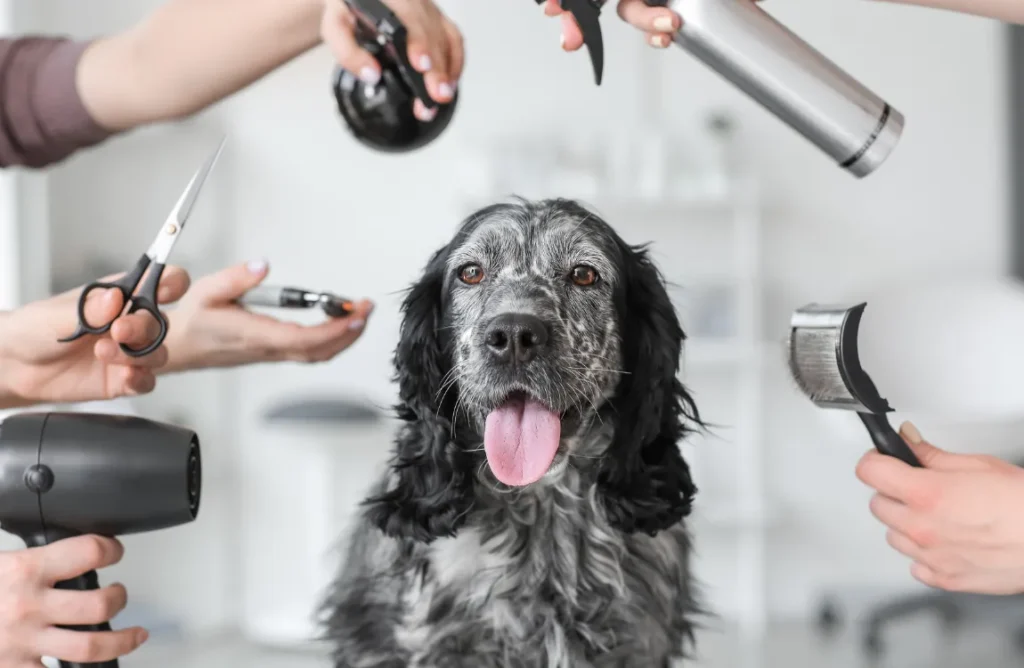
{"x":125,"y":285}
{"x":145,"y":300}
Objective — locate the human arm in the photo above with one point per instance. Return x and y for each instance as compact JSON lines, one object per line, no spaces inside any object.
{"x":189,"y":54}
{"x":1010,"y":11}
{"x":957,"y":518}
{"x":33,"y":609}
{"x":58,"y":95}
{"x":208,"y":329}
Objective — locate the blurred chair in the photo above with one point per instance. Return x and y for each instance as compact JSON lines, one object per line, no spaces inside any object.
{"x":953,"y":609}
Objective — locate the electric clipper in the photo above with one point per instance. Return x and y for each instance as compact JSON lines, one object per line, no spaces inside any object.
{"x":380,"y":114}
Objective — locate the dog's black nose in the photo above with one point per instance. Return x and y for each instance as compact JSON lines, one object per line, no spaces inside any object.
{"x":516,"y":337}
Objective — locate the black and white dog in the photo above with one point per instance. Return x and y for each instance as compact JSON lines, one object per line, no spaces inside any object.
{"x":532,"y":513}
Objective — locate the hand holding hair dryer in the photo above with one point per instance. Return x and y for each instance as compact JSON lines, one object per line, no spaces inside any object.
{"x":67,"y":474}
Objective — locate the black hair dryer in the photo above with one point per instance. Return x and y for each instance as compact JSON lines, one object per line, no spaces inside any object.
{"x":380,"y":115}
{"x":68,"y":474}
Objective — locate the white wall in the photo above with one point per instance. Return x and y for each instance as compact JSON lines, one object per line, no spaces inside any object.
{"x":330,"y":214}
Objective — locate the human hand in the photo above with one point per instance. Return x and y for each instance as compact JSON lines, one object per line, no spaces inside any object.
{"x":36,"y":368}
{"x":209,"y":329}
{"x":958,"y":518}
{"x":657,"y":23}
{"x":434,"y":47}
{"x":32,"y":609}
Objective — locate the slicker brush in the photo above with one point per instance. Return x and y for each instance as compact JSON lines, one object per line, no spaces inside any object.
{"x":824,"y":362}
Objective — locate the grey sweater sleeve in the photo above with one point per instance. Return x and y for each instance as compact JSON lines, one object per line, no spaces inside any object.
{"x":42,"y":118}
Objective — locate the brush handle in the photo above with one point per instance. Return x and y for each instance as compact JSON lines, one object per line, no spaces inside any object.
{"x":886,"y":440}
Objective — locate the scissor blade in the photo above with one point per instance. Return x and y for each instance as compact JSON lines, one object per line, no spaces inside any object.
{"x":183,"y":209}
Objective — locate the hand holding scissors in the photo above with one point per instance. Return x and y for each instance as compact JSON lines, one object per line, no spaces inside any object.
{"x":154,"y":259}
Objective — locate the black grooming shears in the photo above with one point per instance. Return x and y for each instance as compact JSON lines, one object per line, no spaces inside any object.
{"x":154,"y":260}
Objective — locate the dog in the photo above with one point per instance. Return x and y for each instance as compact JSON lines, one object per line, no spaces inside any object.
{"x":532,"y":512}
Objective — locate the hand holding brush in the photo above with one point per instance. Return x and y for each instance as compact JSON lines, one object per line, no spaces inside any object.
{"x":825,"y":364}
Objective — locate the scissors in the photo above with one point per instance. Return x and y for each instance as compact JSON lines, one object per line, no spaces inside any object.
{"x":154,"y":259}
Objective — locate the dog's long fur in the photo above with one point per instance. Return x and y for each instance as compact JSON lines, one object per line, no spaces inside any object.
{"x":588,"y":567}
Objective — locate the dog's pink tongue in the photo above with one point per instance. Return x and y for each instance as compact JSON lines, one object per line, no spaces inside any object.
{"x":520,"y":439}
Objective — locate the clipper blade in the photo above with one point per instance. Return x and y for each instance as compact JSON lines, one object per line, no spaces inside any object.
{"x":824,"y":361}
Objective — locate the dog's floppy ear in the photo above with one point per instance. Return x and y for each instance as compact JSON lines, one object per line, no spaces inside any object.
{"x":428,"y":488}
{"x":646,"y":484}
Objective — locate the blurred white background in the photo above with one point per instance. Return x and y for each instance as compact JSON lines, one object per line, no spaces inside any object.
{"x":782,"y":519}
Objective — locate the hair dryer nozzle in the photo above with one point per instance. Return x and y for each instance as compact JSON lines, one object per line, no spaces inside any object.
{"x":63,"y":474}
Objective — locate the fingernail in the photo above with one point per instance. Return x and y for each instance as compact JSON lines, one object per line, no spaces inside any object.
{"x":426,"y":115}
{"x":257,"y":266}
{"x":445,"y":90}
{"x":910,"y":433}
{"x":659,"y":41}
{"x":561,"y":40}
{"x":356,"y":324}
{"x":370,"y":307}
{"x":424,"y":63}
{"x":663,"y":24}
{"x":369,"y":75}
{"x":143,"y":636}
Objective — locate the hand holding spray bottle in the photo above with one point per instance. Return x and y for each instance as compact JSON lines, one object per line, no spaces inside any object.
{"x":787,"y":76}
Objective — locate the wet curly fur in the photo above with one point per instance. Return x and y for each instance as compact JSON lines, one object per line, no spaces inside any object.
{"x":588,"y":567}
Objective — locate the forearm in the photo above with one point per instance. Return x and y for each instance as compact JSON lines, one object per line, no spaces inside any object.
{"x":189,"y":54}
{"x":9,"y":396}
{"x":1011,"y":11}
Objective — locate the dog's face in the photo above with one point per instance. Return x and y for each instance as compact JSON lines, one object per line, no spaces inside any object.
{"x":535,"y":329}
{"x":536,"y":338}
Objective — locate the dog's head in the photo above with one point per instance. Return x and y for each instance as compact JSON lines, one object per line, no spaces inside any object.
{"x":539,"y":331}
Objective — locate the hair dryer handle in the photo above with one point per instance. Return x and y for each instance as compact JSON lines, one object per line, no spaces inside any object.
{"x":85,"y":582}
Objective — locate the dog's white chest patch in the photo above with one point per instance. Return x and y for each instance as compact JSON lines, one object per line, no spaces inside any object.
{"x":464,"y":559}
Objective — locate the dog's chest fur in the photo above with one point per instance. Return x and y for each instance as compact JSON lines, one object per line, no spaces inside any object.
{"x":549,"y":584}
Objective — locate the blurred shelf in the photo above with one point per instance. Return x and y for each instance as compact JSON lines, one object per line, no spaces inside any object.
{"x":719,"y":202}
{"x":715,"y":353}
{"x":658,"y":209}
{"x":730,"y":516}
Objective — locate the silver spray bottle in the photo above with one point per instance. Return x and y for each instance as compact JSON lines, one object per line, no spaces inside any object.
{"x":787,"y":76}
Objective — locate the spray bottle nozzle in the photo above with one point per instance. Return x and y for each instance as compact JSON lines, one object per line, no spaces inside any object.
{"x":587,"y":14}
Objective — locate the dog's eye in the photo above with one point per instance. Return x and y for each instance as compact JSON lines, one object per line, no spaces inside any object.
{"x":471,"y":274}
{"x":583,"y":275}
